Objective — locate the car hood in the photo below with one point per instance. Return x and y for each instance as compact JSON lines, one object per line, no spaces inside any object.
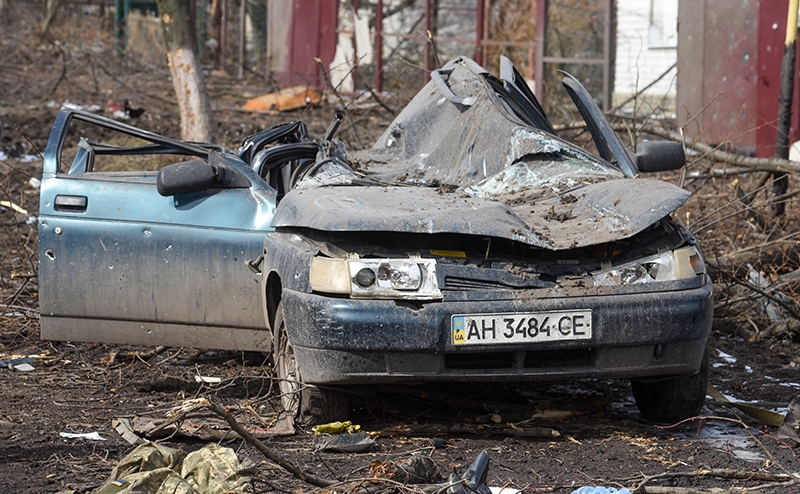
{"x":589,"y":215}
{"x":457,"y":160}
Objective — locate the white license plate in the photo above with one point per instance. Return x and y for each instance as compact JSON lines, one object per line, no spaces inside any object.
{"x":491,"y":329}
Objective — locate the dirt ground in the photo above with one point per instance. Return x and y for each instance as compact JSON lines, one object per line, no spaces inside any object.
{"x":593,"y":433}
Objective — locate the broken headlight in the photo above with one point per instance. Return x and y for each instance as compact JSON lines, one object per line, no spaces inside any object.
{"x":678,"y":264}
{"x":410,"y":279}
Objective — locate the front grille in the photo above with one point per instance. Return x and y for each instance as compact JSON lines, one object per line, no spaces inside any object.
{"x":456,"y":283}
{"x":542,"y":359}
{"x":473,"y":361}
{"x":559,"y":358}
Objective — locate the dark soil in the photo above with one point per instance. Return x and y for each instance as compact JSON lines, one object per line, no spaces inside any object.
{"x":82,"y":387}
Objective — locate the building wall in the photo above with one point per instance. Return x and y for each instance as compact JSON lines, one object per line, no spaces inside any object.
{"x":647,"y":46}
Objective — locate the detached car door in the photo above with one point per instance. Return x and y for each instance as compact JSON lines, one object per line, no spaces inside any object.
{"x":119,"y":262}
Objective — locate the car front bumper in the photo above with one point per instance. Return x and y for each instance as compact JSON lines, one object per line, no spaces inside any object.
{"x":635,"y":334}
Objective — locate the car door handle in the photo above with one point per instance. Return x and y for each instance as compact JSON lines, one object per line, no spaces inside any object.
{"x":71,"y":204}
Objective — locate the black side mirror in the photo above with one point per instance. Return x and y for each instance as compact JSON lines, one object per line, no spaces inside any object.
{"x":659,"y":156}
{"x":186,"y":177}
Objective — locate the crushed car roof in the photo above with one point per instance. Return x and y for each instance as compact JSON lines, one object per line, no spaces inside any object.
{"x":462,"y":157}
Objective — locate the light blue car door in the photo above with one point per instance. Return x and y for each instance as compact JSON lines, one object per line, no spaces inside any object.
{"x":120,"y":263}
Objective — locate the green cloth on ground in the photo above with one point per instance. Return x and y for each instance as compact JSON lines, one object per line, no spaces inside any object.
{"x":156,"y":469}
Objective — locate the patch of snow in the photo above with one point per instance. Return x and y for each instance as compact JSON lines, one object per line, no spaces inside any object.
{"x":28,"y":158}
{"x":727,"y":358}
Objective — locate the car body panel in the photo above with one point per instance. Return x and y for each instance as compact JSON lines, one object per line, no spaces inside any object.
{"x":129,"y":261}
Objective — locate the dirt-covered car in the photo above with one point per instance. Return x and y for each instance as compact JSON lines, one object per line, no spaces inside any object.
{"x":471,"y":243}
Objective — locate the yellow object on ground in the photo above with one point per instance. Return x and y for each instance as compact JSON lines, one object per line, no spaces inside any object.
{"x":337,"y":428}
{"x":285,"y":100}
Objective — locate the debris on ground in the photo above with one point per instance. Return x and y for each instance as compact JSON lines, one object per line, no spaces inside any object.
{"x":790,"y":429}
{"x":357,"y":442}
{"x":762,"y":415}
{"x":285,"y":100}
{"x":414,"y":470}
{"x":91,"y":436}
{"x":600,"y":490}
{"x":474,"y":479}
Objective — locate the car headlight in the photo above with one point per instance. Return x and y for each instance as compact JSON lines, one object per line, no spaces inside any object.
{"x":410,"y":279}
{"x":678,"y":264}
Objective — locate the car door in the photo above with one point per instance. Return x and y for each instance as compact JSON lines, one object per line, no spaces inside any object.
{"x":118,"y":262}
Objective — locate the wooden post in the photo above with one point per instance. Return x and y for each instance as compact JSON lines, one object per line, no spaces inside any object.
{"x":479,"y":32}
{"x":379,"y":46}
{"x":429,"y":32}
{"x":781,"y":181}
{"x":609,"y":40}
{"x":242,"y":40}
{"x":541,"y":49}
{"x":354,"y":72}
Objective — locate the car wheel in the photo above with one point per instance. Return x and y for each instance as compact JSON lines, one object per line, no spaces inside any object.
{"x":309,"y":405}
{"x":672,"y":400}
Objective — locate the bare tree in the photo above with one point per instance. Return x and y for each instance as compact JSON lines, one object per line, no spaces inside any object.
{"x":187,"y":74}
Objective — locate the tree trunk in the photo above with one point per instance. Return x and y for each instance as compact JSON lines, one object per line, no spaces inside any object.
{"x":197,"y":123}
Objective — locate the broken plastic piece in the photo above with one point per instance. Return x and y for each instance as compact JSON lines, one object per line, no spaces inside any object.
{"x":346,"y":443}
{"x":474,"y":479}
{"x":23,"y":367}
{"x":15,"y":361}
{"x":791,"y":423}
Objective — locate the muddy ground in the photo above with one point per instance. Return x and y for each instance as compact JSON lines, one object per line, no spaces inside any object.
{"x":594,"y":435}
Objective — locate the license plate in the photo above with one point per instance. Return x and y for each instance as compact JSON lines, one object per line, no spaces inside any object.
{"x":491,"y":329}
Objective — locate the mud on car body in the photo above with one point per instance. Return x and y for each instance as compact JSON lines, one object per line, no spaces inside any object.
{"x":470,"y":243}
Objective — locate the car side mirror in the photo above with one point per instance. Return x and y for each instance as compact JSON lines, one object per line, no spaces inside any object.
{"x":659,"y":156}
{"x":185,"y":177}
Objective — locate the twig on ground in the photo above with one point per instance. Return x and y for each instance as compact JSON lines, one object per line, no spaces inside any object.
{"x":274,"y":456}
{"x":544,"y":432}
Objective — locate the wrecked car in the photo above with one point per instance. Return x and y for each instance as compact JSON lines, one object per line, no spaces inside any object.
{"x":470,"y":243}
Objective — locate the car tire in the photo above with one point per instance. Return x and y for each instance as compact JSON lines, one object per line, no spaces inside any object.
{"x":308,"y":404}
{"x":672,"y":400}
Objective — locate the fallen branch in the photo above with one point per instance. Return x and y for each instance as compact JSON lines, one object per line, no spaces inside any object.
{"x":724,"y":473}
{"x":766,"y":164}
{"x":478,"y":430}
{"x":274,"y":456}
